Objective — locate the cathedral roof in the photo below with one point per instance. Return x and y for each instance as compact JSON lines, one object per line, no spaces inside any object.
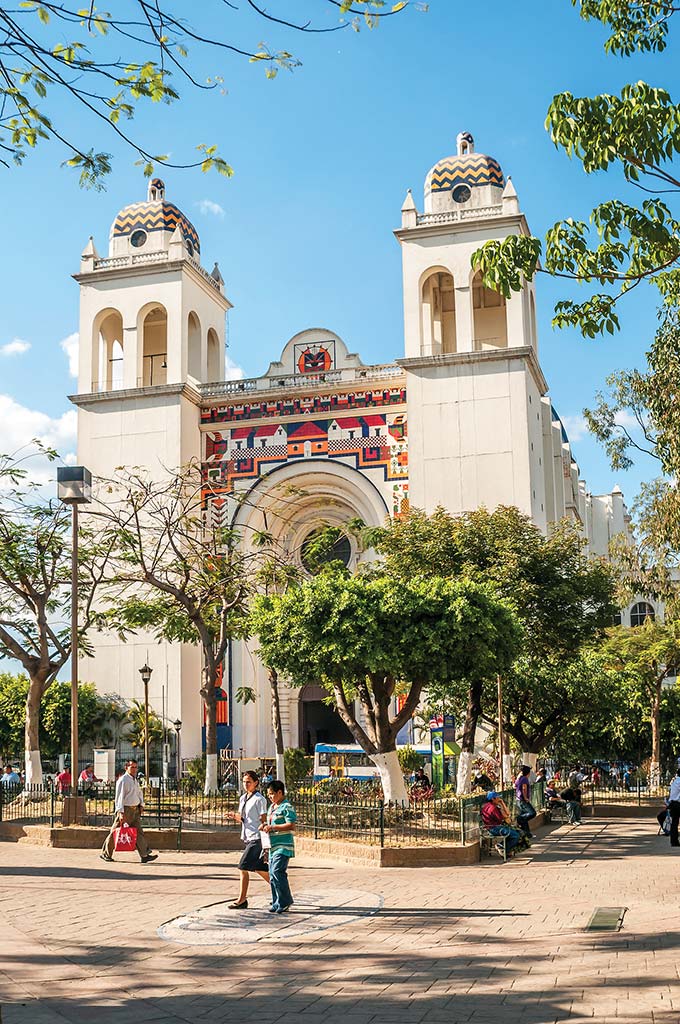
{"x":465,"y":168}
{"x":156,"y":214}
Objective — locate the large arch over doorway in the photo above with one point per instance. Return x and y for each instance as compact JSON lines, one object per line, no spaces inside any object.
{"x":319,"y":722}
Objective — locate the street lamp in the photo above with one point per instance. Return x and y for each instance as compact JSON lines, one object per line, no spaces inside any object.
{"x":178,"y":725}
{"x":145,"y":673}
{"x":74,"y":488}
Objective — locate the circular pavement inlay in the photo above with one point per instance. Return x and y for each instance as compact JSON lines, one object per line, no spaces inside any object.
{"x":313,"y":911}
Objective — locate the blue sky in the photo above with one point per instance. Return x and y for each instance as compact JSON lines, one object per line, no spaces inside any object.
{"x":322,"y":160}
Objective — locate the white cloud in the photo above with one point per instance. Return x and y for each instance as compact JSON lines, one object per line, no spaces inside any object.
{"x":69,"y":345}
{"x":15,"y":347}
{"x":210,"y":208}
{"x":232,"y":371}
{"x":19,"y":425}
{"x":575,"y":426}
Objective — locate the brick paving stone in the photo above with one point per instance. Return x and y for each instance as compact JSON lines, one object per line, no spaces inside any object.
{"x":473,"y":945}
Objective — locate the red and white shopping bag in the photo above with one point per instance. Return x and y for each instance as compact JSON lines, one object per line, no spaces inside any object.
{"x":126,"y":838}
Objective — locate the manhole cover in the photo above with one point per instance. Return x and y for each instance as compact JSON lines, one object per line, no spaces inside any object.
{"x":606,"y":919}
{"x":313,"y":911}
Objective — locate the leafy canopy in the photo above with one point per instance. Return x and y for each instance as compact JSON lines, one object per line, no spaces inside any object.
{"x":66,"y":71}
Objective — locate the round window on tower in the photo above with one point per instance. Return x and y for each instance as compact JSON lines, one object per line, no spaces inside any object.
{"x":137,"y":239}
{"x":461,"y":194}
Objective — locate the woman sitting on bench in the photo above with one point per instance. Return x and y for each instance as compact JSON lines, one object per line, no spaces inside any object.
{"x":496,"y":820}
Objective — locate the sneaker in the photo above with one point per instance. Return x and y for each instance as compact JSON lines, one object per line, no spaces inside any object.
{"x":274,"y":910}
{"x":105,"y":856}
{"x":238,"y":906}
{"x":149,"y":857}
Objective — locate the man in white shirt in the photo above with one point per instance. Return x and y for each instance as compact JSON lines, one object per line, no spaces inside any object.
{"x":128,"y":807}
{"x":674,"y":807}
{"x":252,"y":812}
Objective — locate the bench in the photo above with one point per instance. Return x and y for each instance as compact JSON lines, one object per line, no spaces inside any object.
{"x":164,"y":815}
{"x":488,"y":843}
{"x":555,"y":811}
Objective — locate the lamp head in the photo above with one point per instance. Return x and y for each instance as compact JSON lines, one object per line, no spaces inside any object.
{"x":145,"y":673}
{"x":74,"y":485}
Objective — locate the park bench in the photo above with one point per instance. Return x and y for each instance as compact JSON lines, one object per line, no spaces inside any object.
{"x":164,"y":814}
{"x":488,"y":843}
{"x":555,"y":811}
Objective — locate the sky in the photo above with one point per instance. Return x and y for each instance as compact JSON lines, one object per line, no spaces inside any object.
{"x":322,"y":158}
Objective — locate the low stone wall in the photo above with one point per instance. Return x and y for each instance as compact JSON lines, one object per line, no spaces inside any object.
{"x":364,"y":855}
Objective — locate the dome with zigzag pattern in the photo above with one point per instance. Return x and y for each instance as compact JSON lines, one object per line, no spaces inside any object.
{"x":156,"y":214}
{"x":465,"y":168}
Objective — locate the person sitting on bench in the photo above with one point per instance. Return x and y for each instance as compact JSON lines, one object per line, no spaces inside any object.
{"x":496,"y":820}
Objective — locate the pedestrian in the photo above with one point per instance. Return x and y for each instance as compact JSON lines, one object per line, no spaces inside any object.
{"x":128,"y":807}
{"x":281,"y":818}
{"x":496,"y":820}
{"x":614,"y":776}
{"x":674,"y":807}
{"x":541,"y":775}
{"x":63,"y":780}
{"x":9,"y":777}
{"x":252,"y":813}
{"x":525,"y":809}
{"x":552,"y":797}
{"x":596,"y":777}
{"x":572,"y":796}
{"x":87,"y":779}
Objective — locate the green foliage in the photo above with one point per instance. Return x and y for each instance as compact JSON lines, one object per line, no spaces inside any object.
{"x":645,"y":654}
{"x":562,"y":598}
{"x":13,"y":692}
{"x":136,"y":735}
{"x":621,"y":245}
{"x":360,"y":636}
{"x":298,"y":765}
{"x":195,"y":774}
{"x":56,"y":715}
{"x":62,"y":72}
{"x":409,"y":759}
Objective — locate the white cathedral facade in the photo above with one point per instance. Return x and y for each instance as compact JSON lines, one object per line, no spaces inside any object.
{"x":460,"y":418}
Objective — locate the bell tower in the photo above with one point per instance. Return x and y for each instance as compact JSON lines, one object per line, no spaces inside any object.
{"x":474,"y":382}
{"x":152,"y":331}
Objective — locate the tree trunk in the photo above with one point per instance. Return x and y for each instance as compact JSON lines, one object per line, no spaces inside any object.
{"x":210,"y":739}
{"x":276,"y":724}
{"x":33,"y":764}
{"x":531,"y":759}
{"x":474,"y":710}
{"x":655,"y":764}
{"x":391,"y":776}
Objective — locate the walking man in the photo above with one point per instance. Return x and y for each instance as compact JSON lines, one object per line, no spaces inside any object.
{"x":127,"y":809}
{"x":674,"y":807}
{"x":280,"y":826}
{"x":252,"y":813}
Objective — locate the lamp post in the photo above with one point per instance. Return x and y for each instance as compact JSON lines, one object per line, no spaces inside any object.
{"x":178,"y":725}
{"x":74,"y":488}
{"x":145,"y":673}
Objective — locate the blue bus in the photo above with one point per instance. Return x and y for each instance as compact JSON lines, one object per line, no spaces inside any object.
{"x":348,"y":761}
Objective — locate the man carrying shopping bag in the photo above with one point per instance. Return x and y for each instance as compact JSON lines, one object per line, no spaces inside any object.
{"x":127,"y":810}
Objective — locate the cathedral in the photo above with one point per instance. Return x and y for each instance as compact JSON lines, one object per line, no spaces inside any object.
{"x":461,"y":418}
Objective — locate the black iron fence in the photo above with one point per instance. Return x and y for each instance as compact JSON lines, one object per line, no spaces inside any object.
{"x":348,"y":816}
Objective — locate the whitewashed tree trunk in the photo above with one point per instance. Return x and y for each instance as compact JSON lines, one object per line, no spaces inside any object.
{"x":531,"y":760}
{"x":464,"y":772}
{"x":507,"y":770}
{"x":394,"y":787}
{"x":33,"y":764}
{"x":280,"y":768}
{"x":210,"y":774}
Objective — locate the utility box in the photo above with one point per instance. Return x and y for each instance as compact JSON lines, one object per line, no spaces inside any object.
{"x":105,"y":764}
{"x":444,"y":751}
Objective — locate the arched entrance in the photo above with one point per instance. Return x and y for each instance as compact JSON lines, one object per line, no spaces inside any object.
{"x":319,"y":722}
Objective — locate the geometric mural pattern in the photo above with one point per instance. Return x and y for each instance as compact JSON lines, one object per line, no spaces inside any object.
{"x":473,"y":169}
{"x":370,"y":443}
{"x":304,"y":405}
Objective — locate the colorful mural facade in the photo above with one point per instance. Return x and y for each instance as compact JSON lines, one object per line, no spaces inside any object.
{"x":375,"y":443}
{"x":304,"y":405}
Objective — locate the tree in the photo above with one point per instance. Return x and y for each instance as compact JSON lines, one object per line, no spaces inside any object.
{"x":562,"y":599}
{"x":360,"y":636}
{"x":178,"y":574}
{"x":65,"y":70}
{"x":137,"y":733}
{"x":621,"y":245}
{"x":56,"y":715}
{"x":646,"y":655}
{"x":35,"y":587}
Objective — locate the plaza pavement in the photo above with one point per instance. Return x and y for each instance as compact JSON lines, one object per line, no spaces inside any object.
{"x":488,"y":943}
